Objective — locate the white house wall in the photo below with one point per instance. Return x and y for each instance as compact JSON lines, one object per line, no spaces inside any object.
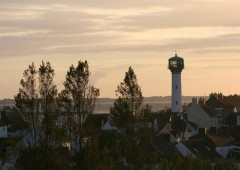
{"x":238,"y":120}
{"x":3,"y":132}
{"x":197,"y":115}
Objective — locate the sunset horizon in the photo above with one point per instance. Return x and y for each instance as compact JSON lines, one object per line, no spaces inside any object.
{"x":112,"y":36}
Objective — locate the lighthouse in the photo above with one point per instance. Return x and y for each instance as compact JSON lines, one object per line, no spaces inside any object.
{"x":176,"y":65}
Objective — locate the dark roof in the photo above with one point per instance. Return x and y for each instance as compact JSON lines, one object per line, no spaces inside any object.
{"x":178,"y":125}
{"x":202,"y":148}
{"x":220,"y":102}
{"x":15,"y":120}
{"x":96,"y":120}
{"x":213,"y":103}
{"x":223,"y":100}
{"x":2,"y":123}
{"x":209,"y":110}
{"x":216,"y":140}
{"x":162,"y":144}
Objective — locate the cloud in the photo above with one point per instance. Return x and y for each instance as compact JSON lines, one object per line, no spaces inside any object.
{"x":116,"y":34}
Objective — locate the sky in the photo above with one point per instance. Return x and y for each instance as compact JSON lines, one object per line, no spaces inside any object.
{"x":114,"y":35}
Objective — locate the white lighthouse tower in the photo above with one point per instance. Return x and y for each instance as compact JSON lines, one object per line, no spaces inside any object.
{"x":176,"y":65}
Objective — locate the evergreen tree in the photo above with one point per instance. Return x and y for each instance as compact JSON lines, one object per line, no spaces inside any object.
{"x":127,"y":107}
{"x":28,"y":106}
{"x":48,"y":95}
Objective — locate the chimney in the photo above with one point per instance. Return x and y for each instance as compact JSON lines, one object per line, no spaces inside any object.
{"x":202,"y":131}
{"x":102,"y":123}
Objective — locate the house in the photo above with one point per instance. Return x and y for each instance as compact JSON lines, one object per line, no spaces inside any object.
{"x":178,"y":129}
{"x":16,"y":126}
{"x":220,"y":138}
{"x":195,"y":147}
{"x":220,"y":104}
{"x":211,"y":113}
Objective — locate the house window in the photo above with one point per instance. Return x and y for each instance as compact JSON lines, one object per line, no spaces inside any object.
{"x":176,"y":102}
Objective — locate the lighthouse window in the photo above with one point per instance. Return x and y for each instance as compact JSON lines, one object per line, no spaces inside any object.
{"x":176,"y":86}
{"x":173,"y":63}
{"x":176,"y":102}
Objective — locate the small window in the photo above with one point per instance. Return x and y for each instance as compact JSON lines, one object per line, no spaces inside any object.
{"x":176,"y":102}
{"x":176,"y":86}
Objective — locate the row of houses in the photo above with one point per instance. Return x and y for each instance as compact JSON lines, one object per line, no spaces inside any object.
{"x":209,"y":129}
{"x":12,"y":128}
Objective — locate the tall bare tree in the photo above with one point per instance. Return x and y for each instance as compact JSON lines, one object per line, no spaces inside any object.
{"x":27,"y":103}
{"x":36,"y":101}
{"x":81,"y":94}
{"x":48,"y":94}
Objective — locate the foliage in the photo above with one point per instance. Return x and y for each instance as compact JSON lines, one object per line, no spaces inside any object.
{"x":27,"y":102}
{"x":146,"y":113}
{"x":128,"y":105}
{"x":48,"y":95}
{"x":47,"y":89}
{"x":120,"y":113}
{"x":77,"y":100}
{"x":32,"y":101}
{"x":131,"y":91}
{"x":225,"y":165}
{"x":59,"y":158}
{"x":132,"y":150}
{"x":78,"y":89}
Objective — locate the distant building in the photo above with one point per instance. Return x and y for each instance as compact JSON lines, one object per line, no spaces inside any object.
{"x":221,"y":139}
{"x":176,"y":65}
{"x":211,"y":113}
{"x":178,"y":129}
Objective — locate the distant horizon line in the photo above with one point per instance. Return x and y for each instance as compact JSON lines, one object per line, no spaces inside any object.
{"x":143,"y":96}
